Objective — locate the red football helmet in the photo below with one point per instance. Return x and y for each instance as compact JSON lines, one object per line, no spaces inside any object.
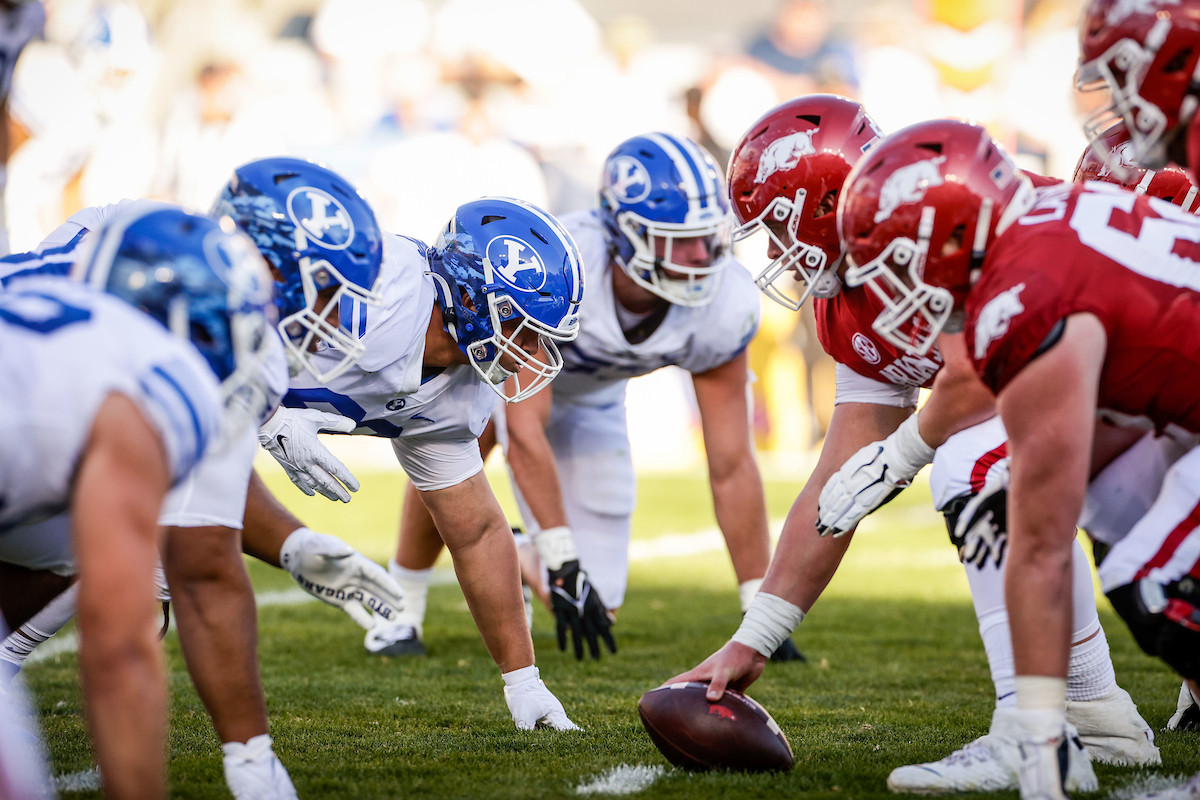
{"x":1169,"y":183}
{"x":916,"y":217}
{"x":784,"y":178}
{"x":1146,"y":52}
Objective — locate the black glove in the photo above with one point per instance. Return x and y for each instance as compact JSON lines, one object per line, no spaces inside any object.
{"x":578,"y":608}
{"x":978,"y":526}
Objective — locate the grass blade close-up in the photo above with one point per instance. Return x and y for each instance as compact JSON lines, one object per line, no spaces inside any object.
{"x":895,"y":675}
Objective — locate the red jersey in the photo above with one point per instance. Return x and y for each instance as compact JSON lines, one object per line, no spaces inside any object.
{"x":844,"y":329}
{"x":1133,"y":262}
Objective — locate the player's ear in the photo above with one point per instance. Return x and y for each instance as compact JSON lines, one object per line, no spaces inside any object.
{"x":467,"y":302}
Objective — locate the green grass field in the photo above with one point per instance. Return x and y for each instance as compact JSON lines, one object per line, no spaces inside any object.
{"x":896,"y":674}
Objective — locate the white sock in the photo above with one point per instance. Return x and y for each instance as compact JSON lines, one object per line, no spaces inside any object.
{"x":40,"y":627}
{"x":415,"y":584}
{"x":747,"y":590}
{"x":987,"y":595}
{"x":1090,"y":674}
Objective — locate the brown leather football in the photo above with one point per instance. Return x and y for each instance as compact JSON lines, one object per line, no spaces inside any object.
{"x":734,"y":733}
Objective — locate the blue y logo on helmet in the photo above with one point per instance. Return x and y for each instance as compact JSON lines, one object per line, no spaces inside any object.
{"x":321,"y":217}
{"x":628,"y":179}
{"x":516,"y":262}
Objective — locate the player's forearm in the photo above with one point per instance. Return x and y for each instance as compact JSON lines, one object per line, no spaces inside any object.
{"x":804,"y":561}
{"x":536,"y":476}
{"x":490,"y":578}
{"x":267,"y":523}
{"x":742,"y":517}
{"x":216,"y":618}
{"x":124,"y":689}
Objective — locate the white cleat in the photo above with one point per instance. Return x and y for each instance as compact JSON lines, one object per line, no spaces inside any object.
{"x":1113,"y":731}
{"x":1188,"y":791}
{"x":394,"y":639}
{"x":991,"y":763}
{"x":1053,"y":766}
{"x":987,"y":764}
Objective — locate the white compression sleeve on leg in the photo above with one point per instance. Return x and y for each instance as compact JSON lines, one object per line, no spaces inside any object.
{"x":415,"y":585}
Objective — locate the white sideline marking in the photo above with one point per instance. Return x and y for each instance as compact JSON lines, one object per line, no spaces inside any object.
{"x":622,"y":780}
{"x":86,"y":781}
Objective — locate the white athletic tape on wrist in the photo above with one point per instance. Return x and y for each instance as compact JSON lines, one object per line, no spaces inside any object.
{"x":768,"y":621}
{"x":910,"y":447}
{"x":556,"y":546}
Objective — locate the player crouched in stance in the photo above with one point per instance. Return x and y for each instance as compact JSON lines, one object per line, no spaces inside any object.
{"x":126,"y":384}
{"x":663,"y":289}
{"x":1070,"y":299}
{"x":487,"y":303}
{"x":786,"y":175}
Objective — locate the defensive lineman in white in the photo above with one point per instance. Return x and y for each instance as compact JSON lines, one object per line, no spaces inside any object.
{"x":141,"y":410}
{"x":486,"y":303}
{"x":663,"y":289}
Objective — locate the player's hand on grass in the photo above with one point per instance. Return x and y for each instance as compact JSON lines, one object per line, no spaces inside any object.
{"x":579,"y":610}
{"x":870,"y":478}
{"x":333,"y":571}
{"x":734,"y":666}
{"x":531,"y":704}
{"x":254,"y":772}
{"x":290,"y":435}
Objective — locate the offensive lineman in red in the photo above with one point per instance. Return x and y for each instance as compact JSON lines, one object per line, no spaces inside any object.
{"x":1078,"y":304}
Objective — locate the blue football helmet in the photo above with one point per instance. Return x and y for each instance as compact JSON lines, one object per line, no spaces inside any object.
{"x":204,"y":281}
{"x":322,"y":242}
{"x":505,"y":270}
{"x":657,"y":190}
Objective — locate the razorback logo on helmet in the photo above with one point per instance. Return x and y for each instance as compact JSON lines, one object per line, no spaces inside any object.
{"x":784,"y":153}
{"x":995,"y":317}
{"x":865,"y":348}
{"x":1123,"y":9}
{"x":628,"y":179}
{"x":321,"y":216}
{"x":516,"y":262}
{"x":908,"y":185}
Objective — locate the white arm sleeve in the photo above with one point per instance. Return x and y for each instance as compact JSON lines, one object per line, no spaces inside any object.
{"x":855,"y":388}
{"x":433,"y":465}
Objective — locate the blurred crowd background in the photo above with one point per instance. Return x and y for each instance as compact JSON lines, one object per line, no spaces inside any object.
{"x":425,"y":104}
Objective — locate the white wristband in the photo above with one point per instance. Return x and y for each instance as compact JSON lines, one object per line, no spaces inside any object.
{"x":556,"y":546}
{"x":519,"y":676}
{"x":768,"y":621}
{"x":911,"y":448}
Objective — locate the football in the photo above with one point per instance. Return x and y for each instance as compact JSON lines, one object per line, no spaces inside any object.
{"x":735,"y":733}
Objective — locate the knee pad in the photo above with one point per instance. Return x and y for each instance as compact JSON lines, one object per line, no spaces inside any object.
{"x":1164,"y":620}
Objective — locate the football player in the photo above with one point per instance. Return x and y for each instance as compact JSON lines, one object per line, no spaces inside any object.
{"x":484,"y":306}
{"x":938,"y":221}
{"x":204,"y":515}
{"x":1146,"y":55}
{"x":786,"y":175}
{"x":663,"y":289}
{"x":139,"y":412}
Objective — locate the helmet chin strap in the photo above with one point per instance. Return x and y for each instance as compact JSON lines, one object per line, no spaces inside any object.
{"x":827,"y":285}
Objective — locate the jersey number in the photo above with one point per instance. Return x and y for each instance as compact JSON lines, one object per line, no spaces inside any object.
{"x":42,"y":313}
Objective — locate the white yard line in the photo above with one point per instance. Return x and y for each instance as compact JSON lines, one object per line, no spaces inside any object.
{"x":624,"y":779}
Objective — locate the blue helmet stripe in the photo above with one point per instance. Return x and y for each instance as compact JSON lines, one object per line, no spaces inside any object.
{"x":687,"y":160}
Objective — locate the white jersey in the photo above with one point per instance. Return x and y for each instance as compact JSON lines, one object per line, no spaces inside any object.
{"x":63,"y":349}
{"x":598,"y":363}
{"x":389,"y":394}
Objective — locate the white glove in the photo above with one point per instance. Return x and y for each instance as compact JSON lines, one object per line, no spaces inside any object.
{"x":291,"y":436}
{"x":333,"y":571}
{"x":871,"y":477}
{"x":253,"y":772}
{"x":531,"y":703}
{"x":982,"y":526}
